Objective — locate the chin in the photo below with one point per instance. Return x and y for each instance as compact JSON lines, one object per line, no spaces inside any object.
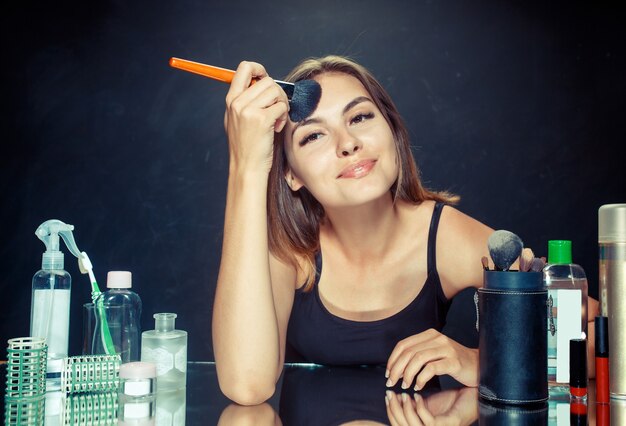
{"x":361,"y":197}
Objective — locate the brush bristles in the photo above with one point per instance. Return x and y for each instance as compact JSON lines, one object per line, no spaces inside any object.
{"x":504,"y":248}
{"x":306,"y":96}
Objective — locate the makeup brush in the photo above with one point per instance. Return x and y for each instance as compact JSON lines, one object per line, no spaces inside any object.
{"x":504,"y":248}
{"x":303,"y":95}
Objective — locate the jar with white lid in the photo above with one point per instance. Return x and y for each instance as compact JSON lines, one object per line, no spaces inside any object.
{"x":137,"y":391}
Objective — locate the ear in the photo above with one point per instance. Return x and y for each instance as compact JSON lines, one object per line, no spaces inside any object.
{"x":292,"y":181}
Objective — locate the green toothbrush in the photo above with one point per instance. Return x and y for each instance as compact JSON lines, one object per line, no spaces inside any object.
{"x":86,"y":267}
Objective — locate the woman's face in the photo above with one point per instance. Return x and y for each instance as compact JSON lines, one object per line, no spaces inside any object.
{"x":344,"y":153}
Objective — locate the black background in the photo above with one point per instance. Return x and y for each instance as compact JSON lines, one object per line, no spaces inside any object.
{"x":516,"y":106}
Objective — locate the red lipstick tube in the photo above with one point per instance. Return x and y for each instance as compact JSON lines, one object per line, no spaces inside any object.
{"x":602,"y":360}
{"x":578,"y":368}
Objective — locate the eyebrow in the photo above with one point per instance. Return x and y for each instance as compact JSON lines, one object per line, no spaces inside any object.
{"x":347,"y":108}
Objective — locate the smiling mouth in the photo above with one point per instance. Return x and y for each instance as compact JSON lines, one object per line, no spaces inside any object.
{"x":358,"y":170}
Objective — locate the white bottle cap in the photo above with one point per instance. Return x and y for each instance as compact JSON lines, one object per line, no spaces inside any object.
{"x":119,"y":279}
{"x":612,"y":223}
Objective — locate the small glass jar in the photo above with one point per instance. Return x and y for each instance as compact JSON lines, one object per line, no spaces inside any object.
{"x":137,"y":391}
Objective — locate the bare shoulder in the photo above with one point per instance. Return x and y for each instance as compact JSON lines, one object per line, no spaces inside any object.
{"x":461,"y":243}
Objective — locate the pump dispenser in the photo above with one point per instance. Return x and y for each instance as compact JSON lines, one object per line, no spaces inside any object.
{"x":50,"y":303}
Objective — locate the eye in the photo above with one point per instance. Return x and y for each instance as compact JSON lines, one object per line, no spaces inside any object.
{"x":359,"y":118}
{"x":310,"y":138}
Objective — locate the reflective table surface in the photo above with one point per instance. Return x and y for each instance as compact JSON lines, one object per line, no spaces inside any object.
{"x":318,"y":395}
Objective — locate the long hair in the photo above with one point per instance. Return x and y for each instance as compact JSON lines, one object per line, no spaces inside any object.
{"x":294,"y":218}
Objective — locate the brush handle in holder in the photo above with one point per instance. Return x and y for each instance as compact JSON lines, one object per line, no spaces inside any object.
{"x":513,"y":338}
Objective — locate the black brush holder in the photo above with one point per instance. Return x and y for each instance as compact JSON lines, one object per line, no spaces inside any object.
{"x":513,"y":338}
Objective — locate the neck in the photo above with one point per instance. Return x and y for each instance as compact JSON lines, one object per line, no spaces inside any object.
{"x":364,"y":232}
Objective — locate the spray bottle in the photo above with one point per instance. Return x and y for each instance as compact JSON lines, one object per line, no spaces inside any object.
{"x":50,"y":304}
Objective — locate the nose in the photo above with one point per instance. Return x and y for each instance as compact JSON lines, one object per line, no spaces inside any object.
{"x":348,"y":145}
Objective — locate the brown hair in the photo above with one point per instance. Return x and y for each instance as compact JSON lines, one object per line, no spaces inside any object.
{"x":294,"y":218}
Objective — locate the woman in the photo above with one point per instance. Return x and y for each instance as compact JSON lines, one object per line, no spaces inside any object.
{"x":329,"y":234}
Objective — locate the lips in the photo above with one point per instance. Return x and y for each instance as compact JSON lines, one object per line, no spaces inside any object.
{"x":357,"y":170}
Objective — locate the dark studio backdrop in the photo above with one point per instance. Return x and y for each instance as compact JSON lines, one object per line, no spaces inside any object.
{"x":516,"y":106}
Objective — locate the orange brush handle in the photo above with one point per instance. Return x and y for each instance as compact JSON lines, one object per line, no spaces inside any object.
{"x":216,"y":73}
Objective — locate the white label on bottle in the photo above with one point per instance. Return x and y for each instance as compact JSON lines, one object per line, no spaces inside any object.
{"x":163,"y":359}
{"x":563,"y":414}
{"x":568,"y":327}
{"x":181,"y":359}
{"x":51,"y":319}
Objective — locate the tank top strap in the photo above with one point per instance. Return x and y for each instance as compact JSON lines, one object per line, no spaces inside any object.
{"x":432,"y":237}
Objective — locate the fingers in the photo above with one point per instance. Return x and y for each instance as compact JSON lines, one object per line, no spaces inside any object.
{"x":405,"y":352}
{"x":448,"y":407}
{"x":426,"y":363}
{"x":431,"y":353}
{"x":400,"y":410}
{"x":242,"y":89}
{"x":408,"y":409}
{"x":404,"y":410}
{"x":246,"y":72}
{"x":422,"y":411}
{"x":404,"y":344}
{"x":265,"y":103}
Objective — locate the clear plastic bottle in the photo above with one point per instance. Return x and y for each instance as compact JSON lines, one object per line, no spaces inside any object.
{"x":167,"y":348}
{"x":566,"y":283}
{"x":50,"y":302}
{"x":122,"y":308}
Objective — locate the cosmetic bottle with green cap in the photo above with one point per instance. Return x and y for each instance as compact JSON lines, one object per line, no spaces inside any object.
{"x":566,"y":283}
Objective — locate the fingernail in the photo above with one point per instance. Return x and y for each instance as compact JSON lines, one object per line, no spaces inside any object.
{"x":404,"y":385}
{"x":386,"y":400}
{"x":389,"y":395}
{"x":389,"y":383}
{"x":404,"y":397}
{"x":386,"y":374}
{"x":417,"y":387}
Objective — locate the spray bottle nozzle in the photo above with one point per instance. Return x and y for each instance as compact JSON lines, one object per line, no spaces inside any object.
{"x":49,"y":232}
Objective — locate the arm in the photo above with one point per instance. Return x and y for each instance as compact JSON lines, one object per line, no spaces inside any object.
{"x":253,"y":296}
{"x":257,"y":415}
{"x":461,"y":243}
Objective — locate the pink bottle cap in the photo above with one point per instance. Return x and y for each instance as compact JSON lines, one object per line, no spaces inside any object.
{"x":138,"y":370}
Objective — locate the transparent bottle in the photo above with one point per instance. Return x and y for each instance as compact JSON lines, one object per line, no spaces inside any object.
{"x":50,"y":302}
{"x":167,"y":348}
{"x":122,"y":308}
{"x":566,"y":283}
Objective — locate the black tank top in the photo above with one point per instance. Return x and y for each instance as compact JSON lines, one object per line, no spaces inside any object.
{"x":320,"y":337}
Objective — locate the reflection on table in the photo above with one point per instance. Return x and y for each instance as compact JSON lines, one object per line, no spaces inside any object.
{"x":311,"y":395}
